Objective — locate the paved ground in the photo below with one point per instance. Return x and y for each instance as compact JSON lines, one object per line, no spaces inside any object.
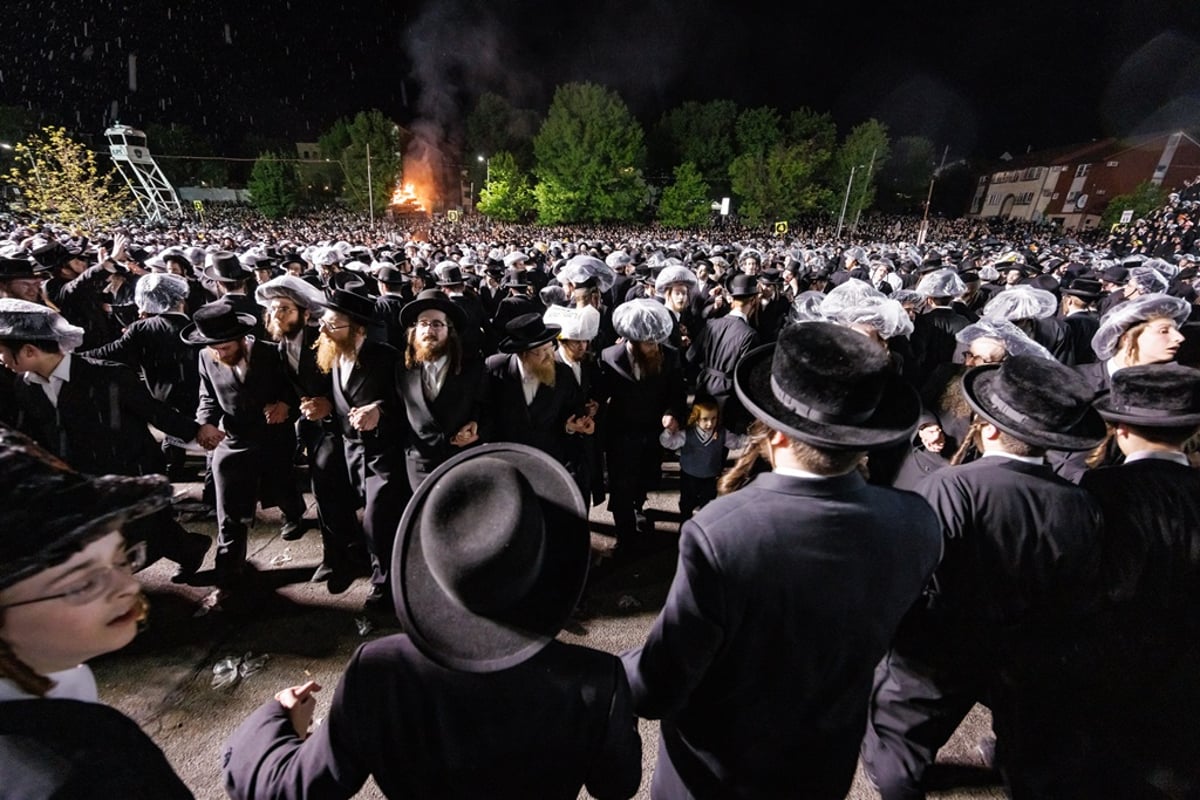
{"x":164,"y":680}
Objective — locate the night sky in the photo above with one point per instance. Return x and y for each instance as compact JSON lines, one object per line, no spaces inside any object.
{"x":982,"y":80}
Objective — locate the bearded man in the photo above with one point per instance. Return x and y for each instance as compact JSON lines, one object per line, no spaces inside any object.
{"x":442,"y":390}
{"x":245,"y":393}
{"x":372,"y":425}
{"x":533,"y":398}
{"x":641,"y":392}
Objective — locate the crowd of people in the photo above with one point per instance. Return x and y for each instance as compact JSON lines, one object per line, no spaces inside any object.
{"x":961,"y":473}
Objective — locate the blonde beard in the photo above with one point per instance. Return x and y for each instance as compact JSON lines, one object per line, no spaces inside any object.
{"x":543,"y":371}
{"x":329,"y":351}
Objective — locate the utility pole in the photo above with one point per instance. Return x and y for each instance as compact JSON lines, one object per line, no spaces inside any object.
{"x":845,"y":201}
{"x":924,"y":232}
{"x":866,"y":186}
{"x":370,"y":189}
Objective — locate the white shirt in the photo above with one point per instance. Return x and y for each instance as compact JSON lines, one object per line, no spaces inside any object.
{"x":433,"y":375}
{"x":1158,"y":455}
{"x":576,"y":368}
{"x":345,"y":366}
{"x":529,"y":382}
{"x":1026,"y":459}
{"x":293,"y":345}
{"x":77,"y":683}
{"x":60,"y":375}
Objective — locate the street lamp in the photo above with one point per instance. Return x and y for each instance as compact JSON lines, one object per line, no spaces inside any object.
{"x":846,"y":200}
{"x":487,"y":168}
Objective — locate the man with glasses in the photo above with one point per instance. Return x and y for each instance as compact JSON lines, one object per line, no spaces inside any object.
{"x":441,"y":386}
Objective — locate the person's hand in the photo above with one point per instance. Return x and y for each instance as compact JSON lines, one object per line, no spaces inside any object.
{"x":209,"y":436}
{"x":591,"y":407}
{"x":315,"y":408}
{"x":467,"y":434}
{"x":364,"y":418}
{"x":299,"y":702}
{"x":933,"y":438}
{"x":585,"y":425}
{"x":668,"y":422}
{"x":276,"y":412}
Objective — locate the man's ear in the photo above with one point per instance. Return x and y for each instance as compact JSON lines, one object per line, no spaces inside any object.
{"x":989,"y":431}
{"x":778,"y":439}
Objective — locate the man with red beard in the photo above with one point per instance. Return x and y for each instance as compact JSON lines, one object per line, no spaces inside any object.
{"x":245,"y":393}
{"x":533,"y":398}
{"x":369,"y":414}
{"x":642,"y":391}
{"x":442,"y":389}
{"x":289,"y":303}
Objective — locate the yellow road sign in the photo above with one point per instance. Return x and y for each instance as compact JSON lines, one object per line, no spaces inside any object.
{"x":781,"y":228}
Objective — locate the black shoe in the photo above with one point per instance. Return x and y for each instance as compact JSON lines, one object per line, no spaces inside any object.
{"x":378,"y":600}
{"x":194,"y":547}
{"x":642,"y":522}
{"x":292,"y":530}
{"x":340,"y":581}
{"x":322,"y":574}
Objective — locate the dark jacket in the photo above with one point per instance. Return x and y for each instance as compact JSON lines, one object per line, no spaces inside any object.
{"x":166,"y":363}
{"x":540,"y":424}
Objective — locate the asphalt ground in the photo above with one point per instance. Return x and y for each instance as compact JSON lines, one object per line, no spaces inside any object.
{"x":289,"y":631}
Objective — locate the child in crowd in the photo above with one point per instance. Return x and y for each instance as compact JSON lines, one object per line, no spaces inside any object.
{"x":702,"y":449}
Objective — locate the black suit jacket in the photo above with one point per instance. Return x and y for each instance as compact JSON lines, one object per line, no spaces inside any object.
{"x":636,"y":407}
{"x":786,"y":596}
{"x":236,"y":407}
{"x":166,"y":363}
{"x":541,"y":729}
{"x":431,"y":425}
{"x":99,"y":425}
{"x":540,"y":424}
{"x":373,"y":380}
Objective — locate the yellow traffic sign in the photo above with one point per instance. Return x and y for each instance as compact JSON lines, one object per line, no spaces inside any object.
{"x":781,"y":228}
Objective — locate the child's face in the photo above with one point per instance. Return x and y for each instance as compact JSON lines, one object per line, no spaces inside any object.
{"x":707,"y":421}
{"x":55,"y":634}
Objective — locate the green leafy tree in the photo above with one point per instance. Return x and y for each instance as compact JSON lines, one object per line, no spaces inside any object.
{"x":686,"y":202}
{"x":757,"y":130}
{"x":589,"y":152}
{"x":495,"y":125}
{"x":780,"y":183}
{"x":348,"y":142}
{"x":200,"y":168}
{"x":59,"y":180}
{"x":701,"y":133}
{"x":1145,"y":199}
{"x":818,"y":130}
{"x":273,"y":185}
{"x":865,"y":150}
{"x":507,"y":196}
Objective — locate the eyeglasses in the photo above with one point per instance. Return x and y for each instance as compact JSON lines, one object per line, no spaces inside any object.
{"x":328,"y":326}
{"x":279,"y":311}
{"x":94,"y":583}
{"x":435,"y":324}
{"x":975,"y":358}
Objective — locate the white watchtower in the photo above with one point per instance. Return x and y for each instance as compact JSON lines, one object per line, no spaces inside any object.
{"x":155,"y":194}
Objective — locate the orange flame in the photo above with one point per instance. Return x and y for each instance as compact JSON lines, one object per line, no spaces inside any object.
{"x":409,"y":197}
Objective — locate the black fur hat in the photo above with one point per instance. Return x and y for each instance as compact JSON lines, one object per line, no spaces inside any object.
{"x":829,"y":386}
{"x":1153,"y":396}
{"x":1037,"y":400}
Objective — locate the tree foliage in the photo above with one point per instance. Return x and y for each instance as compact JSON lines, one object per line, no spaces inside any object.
{"x":1144,"y":200}
{"x":200,"y":169}
{"x":686,"y":202}
{"x":865,"y":150}
{"x":506,"y":196}
{"x":757,"y":130}
{"x":700,"y":133}
{"x":589,"y":153}
{"x":273,"y":185}
{"x":780,"y":183}
{"x":348,"y":142}
{"x":60,"y":181}
{"x":495,"y":126}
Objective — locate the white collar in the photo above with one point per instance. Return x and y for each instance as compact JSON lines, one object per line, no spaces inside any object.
{"x":77,"y":683}
{"x":1039,"y":460}
{"x":1158,"y":455}
{"x":62,"y":372}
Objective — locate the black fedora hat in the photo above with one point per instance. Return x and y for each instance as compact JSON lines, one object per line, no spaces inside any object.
{"x":432,"y":299}
{"x":1088,"y":289}
{"x":451,"y":276}
{"x":827,"y":385}
{"x":1153,"y":396}
{"x":1037,"y":400}
{"x":12,"y":268}
{"x":48,"y":511}
{"x":217,"y":322}
{"x":742,"y":285}
{"x":527,"y":332}
{"x":491,"y":557}
{"x":515,"y":279}
{"x":226,"y":268}
{"x":391,"y":276}
{"x":353,"y":304}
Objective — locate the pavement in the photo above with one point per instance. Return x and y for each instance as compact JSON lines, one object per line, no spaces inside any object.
{"x":295,"y":631}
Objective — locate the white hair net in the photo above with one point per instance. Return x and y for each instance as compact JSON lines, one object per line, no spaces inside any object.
{"x":643,"y":320}
{"x":1165,"y":268}
{"x":159,"y":292}
{"x":903,"y":296}
{"x":575,"y":323}
{"x":1148,"y":279}
{"x":848,"y":295}
{"x":988,"y":273}
{"x":675,"y":273}
{"x":807,"y":307}
{"x":289,"y":287}
{"x":1016,"y":342}
{"x":941,"y":283}
{"x":25,"y":321}
{"x":582,"y":267}
{"x":1021,"y":302}
{"x":1124,"y":316}
{"x":618,"y":258}
{"x":881,"y":313}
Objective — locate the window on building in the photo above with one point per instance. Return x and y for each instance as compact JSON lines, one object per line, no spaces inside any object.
{"x":1082,"y":170}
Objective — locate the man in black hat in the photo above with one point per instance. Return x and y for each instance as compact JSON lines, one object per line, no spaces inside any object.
{"x":1138,"y":700}
{"x":477,"y":698}
{"x":521,"y":299}
{"x":290,"y":304}
{"x":77,"y":289}
{"x":722,"y":343}
{"x":20,"y":279}
{"x":244,"y":407}
{"x":788,"y":591}
{"x":369,"y":413}
{"x":395,"y":291}
{"x":1020,"y":569}
{"x":773,"y":307}
{"x":474,"y":317}
{"x":233,"y":282}
{"x":442,"y":388}
{"x":1078,"y":310}
{"x":533,"y":398}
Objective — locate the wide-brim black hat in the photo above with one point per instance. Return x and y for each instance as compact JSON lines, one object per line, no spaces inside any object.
{"x":829,"y":386}
{"x":14,"y":268}
{"x":436,"y":300}
{"x":1036,"y":400}
{"x":226,"y":268}
{"x":742,"y":285}
{"x":217,"y":322}
{"x":1087,"y":289}
{"x":357,"y":306}
{"x":527,"y":332}
{"x":1153,"y":396}
{"x":48,"y":511}
{"x":502,"y":610}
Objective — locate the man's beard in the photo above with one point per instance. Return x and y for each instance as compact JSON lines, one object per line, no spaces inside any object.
{"x":234,"y":358}
{"x":329,"y":350}
{"x":649,"y":364}
{"x":427,"y":351}
{"x":280,"y":332}
{"x":543,"y":370}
